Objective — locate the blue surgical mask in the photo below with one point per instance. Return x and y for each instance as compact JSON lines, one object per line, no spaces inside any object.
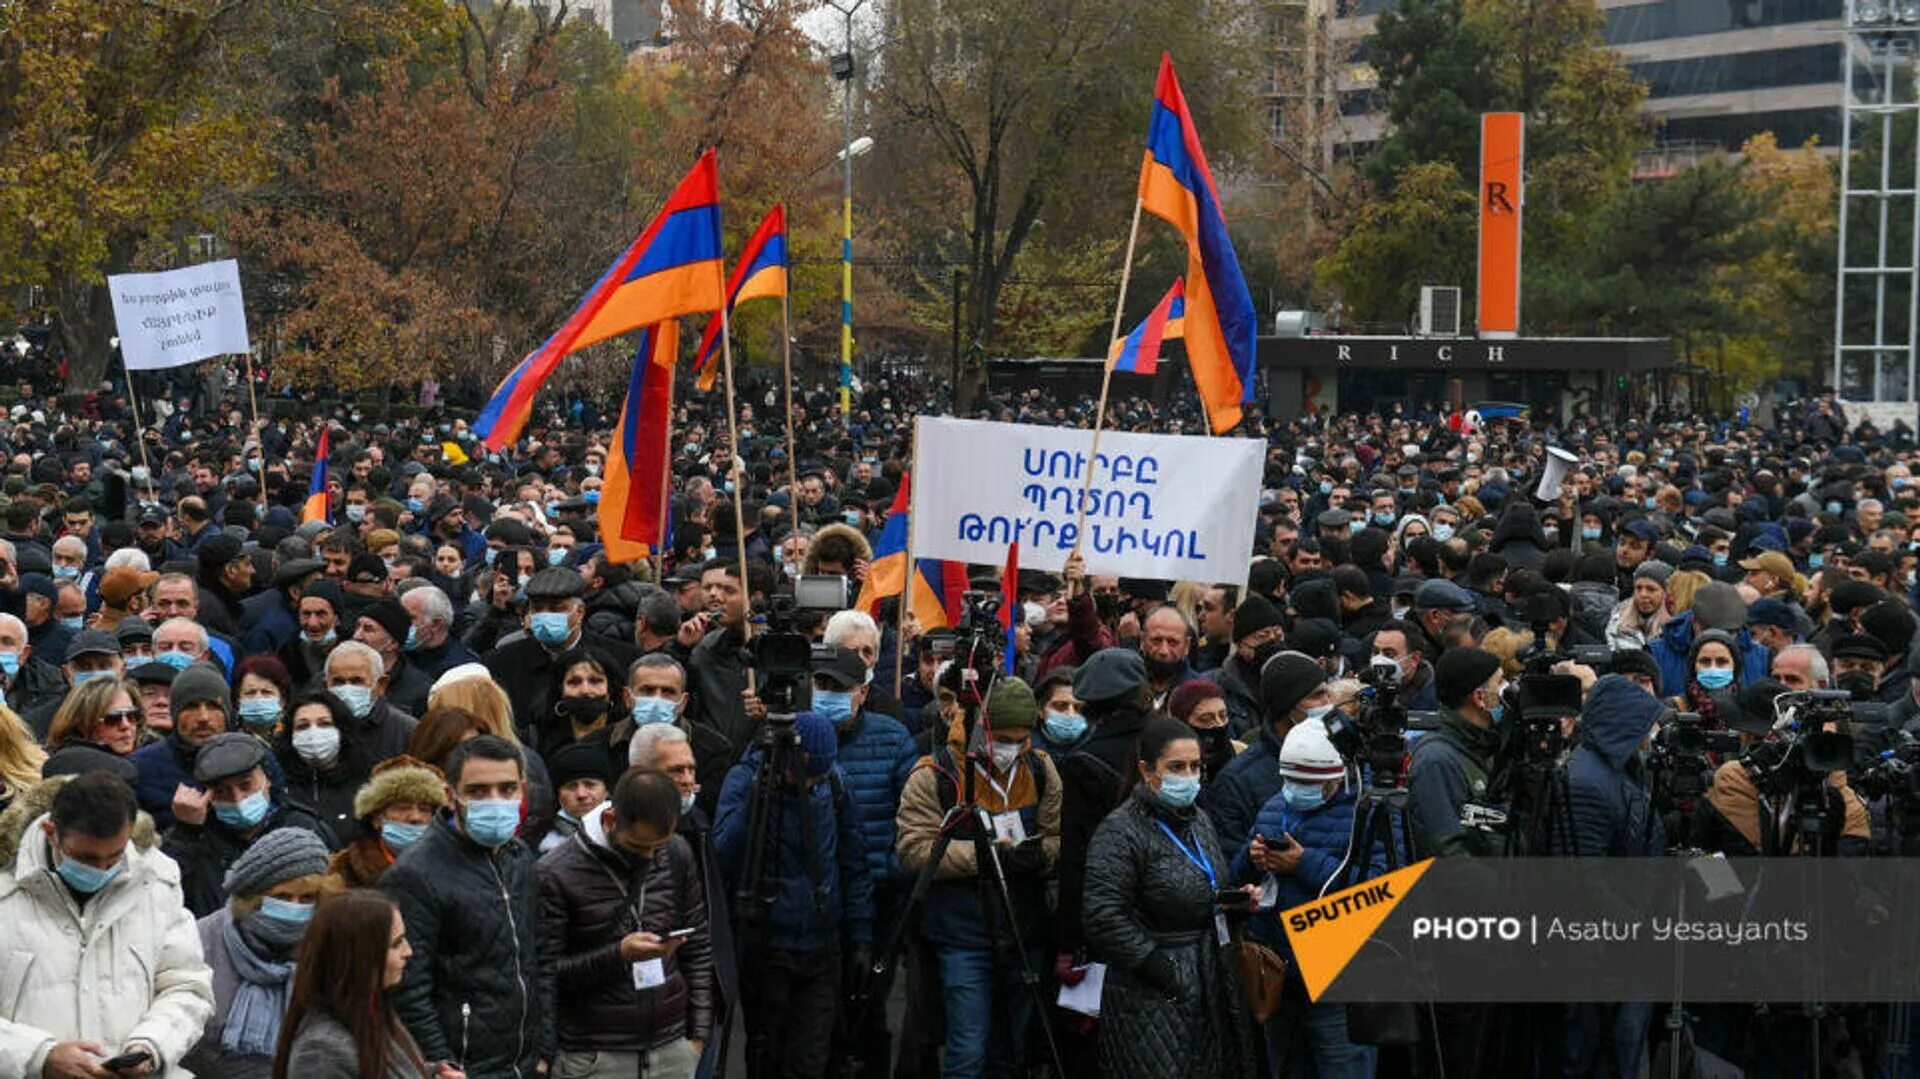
{"x":852,"y":517}
{"x":327,"y":639}
{"x":401,"y":835}
{"x":1712,"y":678}
{"x":1720,"y":558}
{"x":1834,"y":508}
{"x":550,"y":627}
{"x":489,"y":555}
{"x":492,"y":821}
{"x":412,"y":643}
{"x":356,"y":513}
{"x":74,"y":624}
{"x":556,"y":555}
{"x":1063,"y":727}
{"x":833,"y":705}
{"x":1356,"y":526}
{"x":648,"y":710}
{"x":1326,"y":488}
{"x":1590,"y":532}
{"x":1384,"y":520}
{"x":244,"y":814}
{"x":66,"y":573}
{"x":358,"y":699}
{"x":87,"y":879}
{"x":259,"y":711}
{"x":1319,"y":714}
{"x":285,"y":911}
{"x":1652,"y":503}
{"x":1303,"y":797}
{"x":592,"y":497}
{"x":1442,"y":532}
{"x":1498,"y":713}
{"x":415,"y":505}
{"x":81,"y":678}
{"x":179,"y":661}
{"x":1179,"y":791}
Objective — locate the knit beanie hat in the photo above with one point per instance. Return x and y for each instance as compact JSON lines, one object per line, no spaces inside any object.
{"x":1011,"y":706}
{"x":1308,"y":756}
{"x":391,"y":616}
{"x":818,"y":740}
{"x":1254,"y":614}
{"x":1110,"y":674}
{"x":581,"y":760}
{"x":281,"y":855}
{"x":1286,"y":680}
{"x":1653,"y":570}
{"x":400,"y":779}
{"x":198,"y":684}
{"x":1460,"y":671}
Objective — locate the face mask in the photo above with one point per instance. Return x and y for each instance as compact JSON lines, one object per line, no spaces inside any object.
{"x":592,"y":497}
{"x":1833,"y":508}
{"x":1857,"y":684}
{"x":550,"y":627}
{"x":710,"y":554}
{"x":66,"y":573}
{"x":1590,"y":532}
{"x":245,"y":813}
{"x":556,"y":555}
{"x":1651,"y":503}
{"x":73,"y":625}
{"x":1356,"y":527}
{"x":1326,"y":488}
{"x":686,"y":803}
{"x":489,"y":555}
{"x":1319,"y":714}
{"x":84,"y":878}
{"x":1004,"y":754}
{"x":1063,"y":727}
{"x":179,"y":661}
{"x":258,"y":712}
{"x":647,"y":710}
{"x":356,"y":513}
{"x":401,"y":835}
{"x":1384,"y":520}
{"x":285,"y":911}
{"x":833,"y":705}
{"x":81,"y":678}
{"x":1303,"y":797}
{"x":1442,"y":532}
{"x":1400,"y":613}
{"x":317,"y":745}
{"x":1816,"y":561}
{"x":358,"y":699}
{"x":491,"y":822}
{"x":1714,"y":677}
{"x":1179,"y":791}
{"x":415,"y":505}
{"x":412,"y":643}
{"x":327,"y":639}
{"x":852,"y":517}
{"x":520,"y":591}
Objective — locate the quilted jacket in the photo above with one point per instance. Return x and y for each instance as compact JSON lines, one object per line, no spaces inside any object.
{"x":876,"y":757}
{"x":1323,"y":835}
{"x":588,"y":895}
{"x":1144,"y":897}
{"x":472,"y":990}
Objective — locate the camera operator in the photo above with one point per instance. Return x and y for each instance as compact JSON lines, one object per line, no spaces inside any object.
{"x":1732,"y":817}
{"x":1452,"y":764}
{"x":1398,"y":643}
{"x":1801,"y":667}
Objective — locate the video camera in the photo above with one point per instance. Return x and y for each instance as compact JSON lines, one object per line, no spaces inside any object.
{"x":977,"y":642}
{"x":782,"y":661}
{"x":1804,"y":752}
{"x":1377,"y":737}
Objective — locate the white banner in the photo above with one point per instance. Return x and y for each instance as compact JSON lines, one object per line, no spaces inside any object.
{"x":179,"y":316}
{"x":1161,"y":507}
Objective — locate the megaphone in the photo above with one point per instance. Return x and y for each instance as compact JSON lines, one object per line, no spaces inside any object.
{"x":1559,"y":463}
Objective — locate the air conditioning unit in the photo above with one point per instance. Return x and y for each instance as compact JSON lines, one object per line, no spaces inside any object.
{"x":1439,"y":311}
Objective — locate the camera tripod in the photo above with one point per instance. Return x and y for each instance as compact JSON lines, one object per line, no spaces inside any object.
{"x":968,"y":821}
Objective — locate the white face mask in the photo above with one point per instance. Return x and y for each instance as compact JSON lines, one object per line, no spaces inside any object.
{"x":317,"y":745}
{"x":1004,"y":755}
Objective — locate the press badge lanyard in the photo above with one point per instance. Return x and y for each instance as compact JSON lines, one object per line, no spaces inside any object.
{"x":1198,"y":857}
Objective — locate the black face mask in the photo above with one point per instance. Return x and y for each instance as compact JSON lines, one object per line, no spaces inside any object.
{"x":581,"y":710}
{"x":1161,"y":669}
{"x":1107,"y":606}
{"x":1264,"y":653}
{"x":1216,"y":748}
{"x":1858,"y":684}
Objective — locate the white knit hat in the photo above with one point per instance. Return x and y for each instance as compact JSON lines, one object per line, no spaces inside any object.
{"x":1308,"y":755}
{"x":460,"y":674}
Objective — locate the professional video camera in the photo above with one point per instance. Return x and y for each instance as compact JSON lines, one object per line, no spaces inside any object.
{"x":1377,"y":737}
{"x":1895,"y":776}
{"x":1790,"y":771}
{"x":977,"y":642}
{"x":782,"y":661}
{"x":1680,"y":770}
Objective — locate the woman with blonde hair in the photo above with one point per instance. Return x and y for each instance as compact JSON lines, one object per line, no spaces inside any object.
{"x":104,"y":712}
{"x":1682,"y":587}
{"x":1508,"y":645}
{"x":20,"y":758}
{"x":477,"y":695}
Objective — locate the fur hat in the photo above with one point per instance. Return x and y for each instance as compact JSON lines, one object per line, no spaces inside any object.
{"x":400,"y":779}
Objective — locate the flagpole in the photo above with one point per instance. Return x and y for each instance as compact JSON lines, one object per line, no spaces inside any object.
{"x":139,"y":432}
{"x":786,"y":366}
{"x":913,"y":571}
{"x":739,"y":476}
{"x":252,"y":398}
{"x":1106,"y":376}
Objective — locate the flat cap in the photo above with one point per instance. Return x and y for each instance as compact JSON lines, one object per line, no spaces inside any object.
{"x":227,"y":755}
{"x":1441,"y":595}
{"x":1110,"y":674}
{"x":92,"y":642}
{"x":556,"y":582}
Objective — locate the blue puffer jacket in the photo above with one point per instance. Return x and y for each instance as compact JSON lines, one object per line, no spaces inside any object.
{"x":1235,"y":796}
{"x":876,"y":757}
{"x":794,"y":923}
{"x":1323,"y":833}
{"x":1611,"y":814}
{"x":1675,"y":641}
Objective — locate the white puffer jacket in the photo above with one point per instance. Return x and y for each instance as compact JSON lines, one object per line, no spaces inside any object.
{"x":128,"y":967}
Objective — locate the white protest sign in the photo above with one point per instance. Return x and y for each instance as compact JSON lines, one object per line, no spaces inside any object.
{"x":1161,"y":506}
{"x":179,"y":316}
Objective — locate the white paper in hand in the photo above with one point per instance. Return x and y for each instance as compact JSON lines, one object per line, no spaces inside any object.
{"x":1085,"y":997}
{"x":649,"y":974}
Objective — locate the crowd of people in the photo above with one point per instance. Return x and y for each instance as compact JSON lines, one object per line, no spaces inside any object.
{"x":433,"y":787}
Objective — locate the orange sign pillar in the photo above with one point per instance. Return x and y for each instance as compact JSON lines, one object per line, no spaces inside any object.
{"x":1503,"y":145}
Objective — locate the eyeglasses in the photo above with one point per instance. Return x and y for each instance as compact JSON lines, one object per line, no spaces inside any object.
{"x":129,"y":716}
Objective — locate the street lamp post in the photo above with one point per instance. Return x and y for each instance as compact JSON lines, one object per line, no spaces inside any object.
{"x":843,"y":70}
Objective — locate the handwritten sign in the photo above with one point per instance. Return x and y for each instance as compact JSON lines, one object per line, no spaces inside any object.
{"x":179,"y":316}
{"x":1160,"y":506}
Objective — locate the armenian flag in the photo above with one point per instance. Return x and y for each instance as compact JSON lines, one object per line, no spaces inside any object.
{"x":675,"y":268}
{"x":1139,"y":352}
{"x":1177,"y":187}
{"x":629,"y":511}
{"x":316,"y":505}
{"x":1010,"y":610}
{"x":760,"y":273}
{"x":939,"y":588}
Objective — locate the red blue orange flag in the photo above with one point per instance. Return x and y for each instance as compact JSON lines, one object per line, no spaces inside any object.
{"x":1138,"y":353}
{"x":673,"y":269}
{"x":938,"y":587}
{"x":760,"y":273}
{"x":1010,"y":610}
{"x":1177,"y":187}
{"x":316,"y":506}
{"x":631,"y":492}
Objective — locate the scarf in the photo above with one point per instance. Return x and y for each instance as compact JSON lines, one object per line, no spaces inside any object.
{"x":1703,"y":703}
{"x":253,"y":1020}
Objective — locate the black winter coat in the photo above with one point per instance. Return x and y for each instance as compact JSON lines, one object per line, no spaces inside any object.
{"x":206,"y":851}
{"x":472,"y":991}
{"x":1147,"y":903}
{"x":1092,"y":781}
{"x":591,"y":897}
